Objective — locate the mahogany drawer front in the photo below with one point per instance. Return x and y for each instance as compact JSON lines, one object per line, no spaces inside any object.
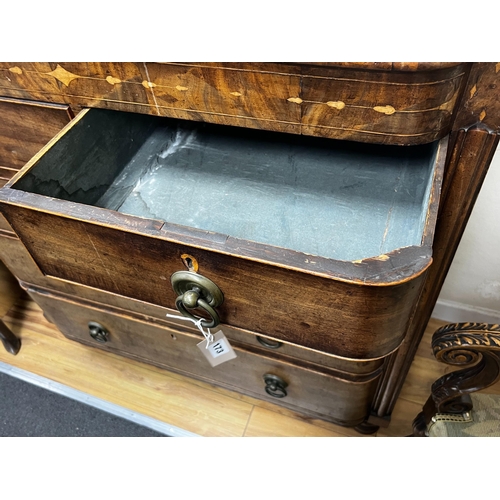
{"x":355,"y":370}
{"x":379,"y":104}
{"x":63,"y":205}
{"x":351,"y":369}
{"x":231,"y":96}
{"x":25,"y":127}
{"x":394,"y":108}
{"x":310,"y":390}
{"x":19,"y":262}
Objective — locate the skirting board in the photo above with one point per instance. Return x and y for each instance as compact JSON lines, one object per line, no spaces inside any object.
{"x":456,"y":312}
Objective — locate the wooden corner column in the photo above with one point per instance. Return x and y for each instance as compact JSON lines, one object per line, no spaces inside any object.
{"x":473,"y":141}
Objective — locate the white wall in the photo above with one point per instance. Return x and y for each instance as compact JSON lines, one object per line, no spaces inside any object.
{"x":471,"y":291}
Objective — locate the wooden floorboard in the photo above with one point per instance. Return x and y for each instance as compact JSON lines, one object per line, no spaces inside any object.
{"x":179,"y":401}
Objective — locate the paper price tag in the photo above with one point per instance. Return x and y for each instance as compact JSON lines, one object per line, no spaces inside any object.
{"x":218,"y":351}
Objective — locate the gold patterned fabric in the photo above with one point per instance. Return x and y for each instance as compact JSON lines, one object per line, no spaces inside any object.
{"x":482,"y":421}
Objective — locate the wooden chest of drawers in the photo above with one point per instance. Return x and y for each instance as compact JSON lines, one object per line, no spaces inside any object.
{"x":320,"y":247}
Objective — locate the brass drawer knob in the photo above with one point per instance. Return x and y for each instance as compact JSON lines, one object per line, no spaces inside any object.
{"x":275,"y":386}
{"x":195,"y":291}
{"x":98,"y":332}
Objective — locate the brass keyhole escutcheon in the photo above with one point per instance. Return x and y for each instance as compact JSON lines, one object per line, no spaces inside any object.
{"x":98,"y":332}
{"x":190,"y":262}
{"x":194,"y":291}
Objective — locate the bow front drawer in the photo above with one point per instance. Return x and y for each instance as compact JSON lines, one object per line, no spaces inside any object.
{"x":311,"y":241}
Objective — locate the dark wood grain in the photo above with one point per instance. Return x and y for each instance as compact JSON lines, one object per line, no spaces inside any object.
{"x":24,"y":128}
{"x":404,"y":108}
{"x":473,"y":346}
{"x":404,"y":104}
{"x":5,"y":226}
{"x":30,"y":81}
{"x":472,"y":146}
{"x":17,"y":258}
{"x":349,"y":370}
{"x":140,"y":266}
{"x":310,"y":391}
{"x":357,"y":309}
{"x":73,"y":174}
{"x":6,"y":173}
{"x":470,"y":157}
{"x":219,"y":93}
{"x":81,"y":84}
{"x":480,"y":104}
{"x":387,"y":66}
{"x":93,"y":255}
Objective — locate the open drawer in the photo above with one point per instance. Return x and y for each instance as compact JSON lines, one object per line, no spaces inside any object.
{"x":312,"y":241}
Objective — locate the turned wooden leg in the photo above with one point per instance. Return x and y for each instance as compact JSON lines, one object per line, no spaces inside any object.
{"x":11,"y":343}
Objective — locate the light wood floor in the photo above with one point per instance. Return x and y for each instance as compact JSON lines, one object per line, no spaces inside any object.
{"x":191,"y":405}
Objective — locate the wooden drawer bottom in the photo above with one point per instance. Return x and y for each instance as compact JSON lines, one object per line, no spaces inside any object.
{"x":312,"y":390}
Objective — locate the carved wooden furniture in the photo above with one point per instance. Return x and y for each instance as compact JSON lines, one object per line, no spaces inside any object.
{"x":452,"y":409}
{"x":325,"y":239}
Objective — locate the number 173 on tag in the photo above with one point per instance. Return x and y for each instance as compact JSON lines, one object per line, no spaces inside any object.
{"x":218,"y":351}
